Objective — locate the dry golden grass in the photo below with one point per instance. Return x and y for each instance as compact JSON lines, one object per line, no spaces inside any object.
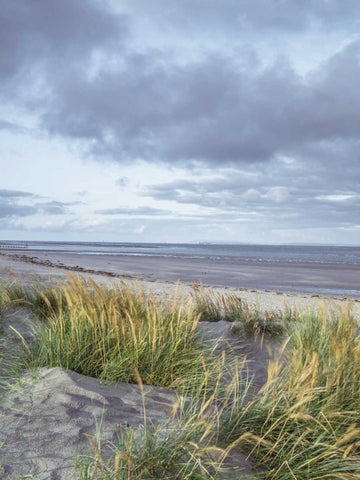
{"x":213,"y":306}
{"x":117,"y":333}
{"x":304,"y":424}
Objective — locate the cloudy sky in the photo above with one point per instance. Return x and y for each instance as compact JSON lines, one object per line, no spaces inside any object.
{"x":180,"y":120}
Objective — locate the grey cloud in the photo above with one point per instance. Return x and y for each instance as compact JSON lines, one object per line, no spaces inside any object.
{"x":309,"y":194}
{"x":7,"y":210}
{"x":211,"y":111}
{"x":122,"y":182}
{"x":4,"y":193}
{"x":54,"y":207}
{"x":219,"y":192}
{"x":150,"y":106}
{"x":229,"y":196}
{"x":235,"y":15}
{"x":38,"y":33}
{"x":133,"y":211}
{"x":12,"y":127}
{"x":219,"y":110}
{"x":10,"y":206}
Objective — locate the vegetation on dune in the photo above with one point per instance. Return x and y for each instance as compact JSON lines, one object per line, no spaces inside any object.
{"x":117,"y":334}
{"x":3,"y":300}
{"x":213,"y":306}
{"x":177,"y":451}
{"x":13,"y":292}
{"x":304,"y":424}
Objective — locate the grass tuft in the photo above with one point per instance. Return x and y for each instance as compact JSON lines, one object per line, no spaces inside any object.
{"x":13,"y":292}
{"x":116,"y":334}
{"x":186,"y":447}
{"x":305,"y":422}
{"x":152,"y":453}
{"x":213,"y":306}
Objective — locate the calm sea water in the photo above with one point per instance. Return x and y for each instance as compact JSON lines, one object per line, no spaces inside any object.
{"x":252,"y":253}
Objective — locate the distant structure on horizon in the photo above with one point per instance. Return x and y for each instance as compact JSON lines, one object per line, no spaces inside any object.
{"x":13,"y":244}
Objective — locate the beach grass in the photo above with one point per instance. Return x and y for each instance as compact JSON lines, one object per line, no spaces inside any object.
{"x":5,"y":299}
{"x":116,"y":334}
{"x":13,"y":292}
{"x":184,"y":448}
{"x":213,"y":306}
{"x":303,"y":424}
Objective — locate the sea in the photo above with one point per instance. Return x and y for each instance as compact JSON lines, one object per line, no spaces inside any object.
{"x":322,"y":254}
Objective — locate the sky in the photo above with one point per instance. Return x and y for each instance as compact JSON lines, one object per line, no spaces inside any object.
{"x":180,"y":120}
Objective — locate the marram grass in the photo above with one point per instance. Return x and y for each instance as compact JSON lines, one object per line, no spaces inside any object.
{"x":183,"y":449}
{"x":304,"y":424}
{"x":186,"y":447}
{"x":11,"y":293}
{"x":116,"y":334}
{"x":213,"y":306}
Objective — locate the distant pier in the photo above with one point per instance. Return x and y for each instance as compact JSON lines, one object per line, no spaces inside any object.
{"x":13,"y":245}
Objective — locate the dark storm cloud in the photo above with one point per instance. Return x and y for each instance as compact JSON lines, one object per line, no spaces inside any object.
{"x":208,"y":111}
{"x":139,"y":211}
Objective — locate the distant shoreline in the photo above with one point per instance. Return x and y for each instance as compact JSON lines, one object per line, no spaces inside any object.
{"x":328,"y":280}
{"x":152,"y":276}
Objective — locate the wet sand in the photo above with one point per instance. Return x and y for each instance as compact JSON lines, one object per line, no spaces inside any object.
{"x":331,"y":279}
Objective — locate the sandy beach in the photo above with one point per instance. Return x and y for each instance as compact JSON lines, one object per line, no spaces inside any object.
{"x":59,"y":409}
{"x":260,"y":285}
{"x":46,"y":420}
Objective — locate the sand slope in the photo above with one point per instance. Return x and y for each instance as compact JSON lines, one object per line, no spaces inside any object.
{"x":45,"y":421}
